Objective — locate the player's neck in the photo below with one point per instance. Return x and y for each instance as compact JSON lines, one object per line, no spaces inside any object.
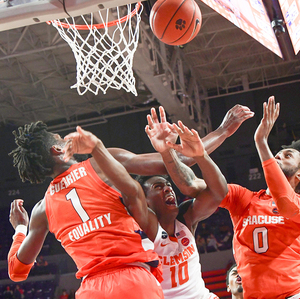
{"x":168,"y":224}
{"x":60,"y":168}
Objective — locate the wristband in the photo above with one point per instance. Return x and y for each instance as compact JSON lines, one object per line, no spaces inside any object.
{"x":21,"y":228}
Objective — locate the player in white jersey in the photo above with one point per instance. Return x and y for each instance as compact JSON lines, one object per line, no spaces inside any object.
{"x":181,"y":264}
{"x":172,"y":227}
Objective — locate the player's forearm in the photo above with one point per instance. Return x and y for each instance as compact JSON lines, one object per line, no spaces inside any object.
{"x":284,"y":196}
{"x":214,"y":139}
{"x":213,"y":177}
{"x":114,"y":171}
{"x":263,"y":149}
{"x":182,"y":175}
{"x":17,"y":271}
{"x":144,"y":164}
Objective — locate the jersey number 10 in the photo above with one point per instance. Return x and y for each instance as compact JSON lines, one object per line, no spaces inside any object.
{"x":179,"y":274}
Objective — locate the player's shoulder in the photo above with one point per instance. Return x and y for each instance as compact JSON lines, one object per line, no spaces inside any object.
{"x":39,"y":208}
{"x":235,"y":189}
{"x":38,"y":214}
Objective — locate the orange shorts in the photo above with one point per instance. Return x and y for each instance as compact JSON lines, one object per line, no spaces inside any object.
{"x":128,"y":282}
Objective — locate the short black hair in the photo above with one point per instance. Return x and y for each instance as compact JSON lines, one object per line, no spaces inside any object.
{"x":228,"y":272}
{"x":295,"y":145}
{"x":142,"y":179}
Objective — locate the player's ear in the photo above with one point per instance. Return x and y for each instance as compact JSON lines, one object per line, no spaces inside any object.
{"x":56,"y":150}
{"x":298,"y":175}
{"x":228,"y":289}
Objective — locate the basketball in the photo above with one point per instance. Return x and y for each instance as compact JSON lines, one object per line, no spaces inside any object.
{"x":175,"y":22}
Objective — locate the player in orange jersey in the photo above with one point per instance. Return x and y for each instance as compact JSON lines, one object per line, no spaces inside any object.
{"x":234,"y":283}
{"x":86,"y":214}
{"x":267,"y":223}
{"x":39,"y":155}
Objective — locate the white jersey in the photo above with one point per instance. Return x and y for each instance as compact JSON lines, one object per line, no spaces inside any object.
{"x":181,"y":264}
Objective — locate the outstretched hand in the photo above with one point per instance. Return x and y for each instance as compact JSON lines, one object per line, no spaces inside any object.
{"x":190,"y":143}
{"x":160,"y":132}
{"x":18,"y":214}
{"x":79,"y":142}
{"x":235,"y":117}
{"x":270,"y":115}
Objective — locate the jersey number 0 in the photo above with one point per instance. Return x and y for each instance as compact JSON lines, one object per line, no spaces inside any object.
{"x":260,"y":239}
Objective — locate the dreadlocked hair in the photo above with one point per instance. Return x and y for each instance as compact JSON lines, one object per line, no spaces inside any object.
{"x":32,"y":156}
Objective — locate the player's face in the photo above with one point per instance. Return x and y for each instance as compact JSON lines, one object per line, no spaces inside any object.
{"x":289,"y":160}
{"x":235,"y":282}
{"x":160,"y":195}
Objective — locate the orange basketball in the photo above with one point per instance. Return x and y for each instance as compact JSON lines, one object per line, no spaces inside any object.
{"x":175,"y":22}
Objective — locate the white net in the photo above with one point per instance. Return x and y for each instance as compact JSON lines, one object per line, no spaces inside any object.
{"x":104,"y":56}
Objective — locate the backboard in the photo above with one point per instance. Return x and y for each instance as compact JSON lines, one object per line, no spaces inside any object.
{"x":19,"y":13}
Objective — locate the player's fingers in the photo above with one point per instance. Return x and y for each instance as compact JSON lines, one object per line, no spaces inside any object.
{"x":148,"y":131}
{"x":187,"y":130}
{"x":162,"y":114}
{"x":181,"y":125}
{"x":195,"y":133}
{"x":80,"y":130}
{"x":175,"y":146}
{"x":154,"y":115}
{"x":71,"y":136}
{"x":264,"y":110}
{"x":150,"y":121}
{"x":277,"y":110}
{"x":177,"y":129}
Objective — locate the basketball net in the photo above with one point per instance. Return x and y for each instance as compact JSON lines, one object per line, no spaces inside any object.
{"x":103,"y":50}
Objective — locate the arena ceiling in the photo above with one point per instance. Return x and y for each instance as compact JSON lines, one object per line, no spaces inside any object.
{"x":37,"y":69}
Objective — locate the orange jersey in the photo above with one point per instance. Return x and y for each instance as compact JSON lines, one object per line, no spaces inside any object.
{"x":92,"y":224}
{"x":266,"y":244}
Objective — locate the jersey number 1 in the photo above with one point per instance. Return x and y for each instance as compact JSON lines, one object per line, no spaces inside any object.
{"x":182,"y":274}
{"x":75,"y":200}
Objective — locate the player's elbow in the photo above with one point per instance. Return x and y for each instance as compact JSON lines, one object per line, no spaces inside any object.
{"x":287,"y":208}
{"x":193,"y":189}
{"x":218,"y":194}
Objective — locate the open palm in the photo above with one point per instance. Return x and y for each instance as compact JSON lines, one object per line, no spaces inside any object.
{"x":190,"y":143}
{"x":160,"y":132}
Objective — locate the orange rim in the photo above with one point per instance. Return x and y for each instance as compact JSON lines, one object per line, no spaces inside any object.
{"x":97,"y":26}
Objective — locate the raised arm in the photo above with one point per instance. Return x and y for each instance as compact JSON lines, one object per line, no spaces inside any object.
{"x":84,"y":142}
{"x":279,"y":184}
{"x":208,"y":192}
{"x":231,"y":122}
{"x":152,"y":163}
{"x":25,"y":249}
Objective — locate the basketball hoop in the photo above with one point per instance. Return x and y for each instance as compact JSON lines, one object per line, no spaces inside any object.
{"x":104,"y":55}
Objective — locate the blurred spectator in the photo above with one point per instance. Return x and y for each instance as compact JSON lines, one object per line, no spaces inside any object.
{"x":18,"y":292}
{"x":72,"y":294}
{"x":204,"y":230}
{"x":226,"y":242}
{"x":41,"y":262}
{"x":212,"y":243}
{"x":41,"y":266}
{"x":64,"y":294}
{"x":201,"y":244}
{"x":8,"y":293}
